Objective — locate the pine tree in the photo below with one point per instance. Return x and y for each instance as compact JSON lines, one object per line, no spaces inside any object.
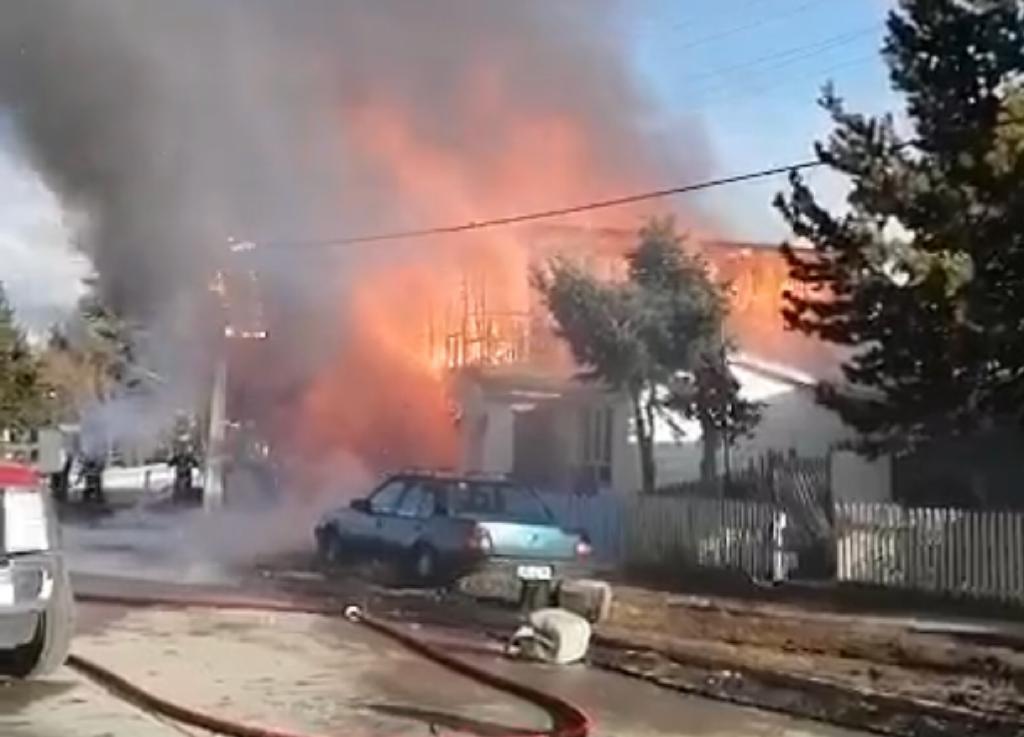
{"x":92,"y":356}
{"x":22,"y":395}
{"x":923,"y":275}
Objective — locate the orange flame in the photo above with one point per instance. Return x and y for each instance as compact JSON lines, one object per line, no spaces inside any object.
{"x":420,"y":307}
{"x":380,"y":401}
{"x":426,"y":305}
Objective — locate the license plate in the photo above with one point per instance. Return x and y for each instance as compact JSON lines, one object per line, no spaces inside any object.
{"x":534,"y":573}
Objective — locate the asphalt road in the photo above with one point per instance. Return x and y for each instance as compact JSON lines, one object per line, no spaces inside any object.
{"x":309,"y":672}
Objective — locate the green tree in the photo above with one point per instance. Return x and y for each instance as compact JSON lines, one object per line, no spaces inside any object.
{"x":711,"y":395}
{"x":646,"y":335}
{"x":23,"y":397}
{"x":922,"y":275}
{"x":90,"y":358}
{"x":107,"y":347}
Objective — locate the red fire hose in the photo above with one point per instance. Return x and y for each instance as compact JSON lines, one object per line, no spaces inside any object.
{"x":567,"y":719}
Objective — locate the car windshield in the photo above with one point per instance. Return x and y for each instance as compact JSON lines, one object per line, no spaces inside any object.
{"x":499,"y":502}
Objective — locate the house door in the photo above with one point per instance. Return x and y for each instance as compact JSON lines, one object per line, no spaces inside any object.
{"x":538,"y":456}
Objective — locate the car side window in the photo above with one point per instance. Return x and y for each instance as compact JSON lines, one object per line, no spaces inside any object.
{"x":411,"y":501}
{"x":475,"y":499}
{"x":522,"y":505}
{"x":438,"y":505}
{"x":385,"y":499}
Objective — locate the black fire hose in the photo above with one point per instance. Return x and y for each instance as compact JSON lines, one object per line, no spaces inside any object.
{"x":567,"y":719}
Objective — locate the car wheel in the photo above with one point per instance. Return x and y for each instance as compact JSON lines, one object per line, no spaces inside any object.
{"x":48,"y":649}
{"x":424,"y":563}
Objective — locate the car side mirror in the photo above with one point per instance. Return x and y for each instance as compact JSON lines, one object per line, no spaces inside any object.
{"x":360,"y":505}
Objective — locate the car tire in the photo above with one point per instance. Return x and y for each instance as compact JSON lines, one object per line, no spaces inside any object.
{"x":48,"y":649}
{"x":423,"y":564}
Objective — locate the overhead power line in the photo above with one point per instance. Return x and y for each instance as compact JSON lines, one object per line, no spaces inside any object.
{"x":751,"y":25}
{"x":727,"y":94}
{"x":711,"y":80}
{"x":701,"y":19}
{"x":793,"y":53}
{"x":592,"y":205}
{"x":555,"y":212}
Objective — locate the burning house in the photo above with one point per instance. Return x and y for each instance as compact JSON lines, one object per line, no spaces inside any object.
{"x":518,"y":408}
{"x":286,"y":124}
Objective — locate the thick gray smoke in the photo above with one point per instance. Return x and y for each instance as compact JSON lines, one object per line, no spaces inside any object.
{"x":174,"y":125}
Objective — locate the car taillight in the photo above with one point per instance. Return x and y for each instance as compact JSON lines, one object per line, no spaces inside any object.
{"x":25,"y":527}
{"x":583,"y":548}
{"x":480,"y":540}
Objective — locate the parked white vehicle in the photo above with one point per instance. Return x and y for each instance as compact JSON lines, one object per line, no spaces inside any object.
{"x":36,"y":609}
{"x":134,"y":481}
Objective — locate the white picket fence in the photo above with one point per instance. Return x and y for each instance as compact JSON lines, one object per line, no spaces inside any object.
{"x":667,"y":530}
{"x":948,"y":551}
{"x":944,"y":551}
{"x":699,"y":532}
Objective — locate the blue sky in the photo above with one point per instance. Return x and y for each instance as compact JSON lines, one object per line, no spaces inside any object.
{"x":747,"y":72}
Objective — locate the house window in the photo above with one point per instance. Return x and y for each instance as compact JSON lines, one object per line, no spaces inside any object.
{"x":596,"y":427}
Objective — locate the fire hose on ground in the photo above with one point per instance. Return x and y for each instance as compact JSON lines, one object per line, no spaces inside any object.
{"x":567,"y":719}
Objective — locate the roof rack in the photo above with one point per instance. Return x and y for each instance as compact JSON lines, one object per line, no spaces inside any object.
{"x":486,"y":475}
{"x":449,"y":473}
{"x":433,"y":472}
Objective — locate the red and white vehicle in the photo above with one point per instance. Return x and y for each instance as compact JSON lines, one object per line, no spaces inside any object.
{"x":36,"y":610}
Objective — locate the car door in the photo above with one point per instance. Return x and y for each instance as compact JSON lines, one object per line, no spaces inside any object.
{"x":443,"y":530}
{"x":408,"y":523}
{"x":369,"y":528}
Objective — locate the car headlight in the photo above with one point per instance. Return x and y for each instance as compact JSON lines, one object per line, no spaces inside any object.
{"x":25,"y":527}
{"x":25,"y":583}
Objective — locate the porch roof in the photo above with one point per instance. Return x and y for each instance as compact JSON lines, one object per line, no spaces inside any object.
{"x":522,"y":382}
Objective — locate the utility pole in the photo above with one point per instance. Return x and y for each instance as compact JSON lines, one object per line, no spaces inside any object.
{"x":250,"y":328}
{"x":213,"y":473}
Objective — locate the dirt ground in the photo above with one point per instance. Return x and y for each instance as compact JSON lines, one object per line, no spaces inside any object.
{"x":876,"y":658}
{"x":291,"y":671}
{"x":859,"y":672}
{"x":325,"y":676}
{"x":70,"y":705}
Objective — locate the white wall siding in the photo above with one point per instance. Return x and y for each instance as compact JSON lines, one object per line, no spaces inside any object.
{"x":855,"y":478}
{"x":791,"y":419}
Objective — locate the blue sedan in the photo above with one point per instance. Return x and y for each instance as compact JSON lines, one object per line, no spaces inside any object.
{"x":439,"y":527}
